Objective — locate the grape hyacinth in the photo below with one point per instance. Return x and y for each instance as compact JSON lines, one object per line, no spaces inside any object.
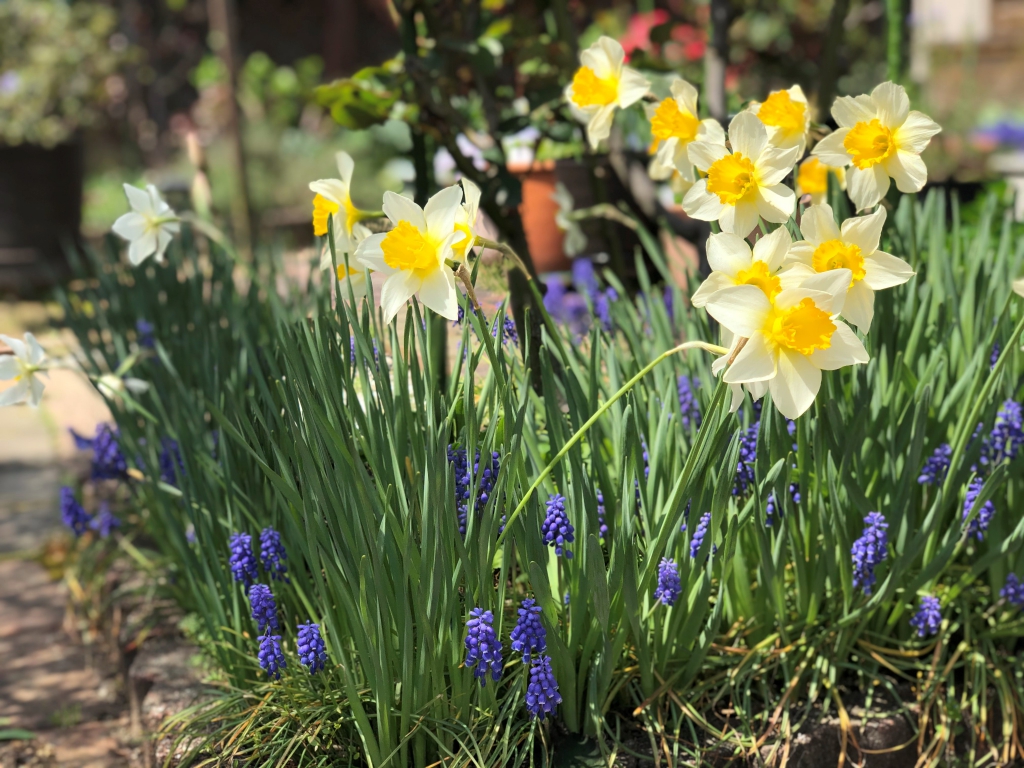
{"x":669,"y":586}
{"x":770,"y":509}
{"x":936,"y":466}
{"x":928,"y":617}
{"x":745,"y":466}
{"x":869,"y":550}
{"x":508,"y":331}
{"x":242,"y":562}
{"x":270,"y":656}
{"x":979,"y":524}
{"x":542,"y":689}
{"x":1013,"y":591}
{"x":1007,"y":436}
{"x":272,"y":554}
{"x":689,"y":404}
{"x":529,"y":635}
{"x":994,"y":357}
{"x":144,"y":329}
{"x":312,"y":651}
{"x":483,"y":650}
{"x":108,"y":462}
{"x":699,"y":534}
{"x":602,"y":528}
{"x":264,"y":607}
{"x":104,"y":521}
{"x":556,"y":528}
{"x":485,"y":479}
{"x":72,"y":513}
{"x":172,"y":467}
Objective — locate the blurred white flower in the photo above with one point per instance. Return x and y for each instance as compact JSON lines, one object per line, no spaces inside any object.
{"x":24,"y":366}
{"x":334,"y":199}
{"x":674,"y":125}
{"x":787,"y":116}
{"x":112,"y":386}
{"x":812,"y":179}
{"x":575,"y":239}
{"x":149,"y":227}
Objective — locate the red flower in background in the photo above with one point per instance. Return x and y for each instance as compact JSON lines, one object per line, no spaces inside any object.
{"x":691,"y":39}
{"x":638,"y":33}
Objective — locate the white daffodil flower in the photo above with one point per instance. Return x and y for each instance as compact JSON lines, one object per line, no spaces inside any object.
{"x":465,"y":219}
{"x":674,"y":126}
{"x":791,"y":340}
{"x":812,"y":179}
{"x":24,"y":366}
{"x":149,"y":227}
{"x":601,"y":85}
{"x":757,"y":389}
{"x":353,"y":276}
{"x":733,"y":263}
{"x":413,"y":254}
{"x":853,"y":247}
{"x":333,"y":198}
{"x":575,"y":239}
{"x":787,"y":116}
{"x":880,"y":137}
{"x":743,"y":183}
{"x":113,"y":386}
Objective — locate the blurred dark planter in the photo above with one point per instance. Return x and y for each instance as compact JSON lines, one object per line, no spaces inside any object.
{"x":40,"y":214}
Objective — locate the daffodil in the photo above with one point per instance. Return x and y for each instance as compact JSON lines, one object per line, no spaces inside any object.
{"x":787,"y":116}
{"x":24,"y":367}
{"x":414,"y":253}
{"x":882,"y":138}
{"x":789,"y":340}
{"x":465,"y":219}
{"x":601,"y":85}
{"x":334,"y":199}
{"x":852,"y":247}
{"x":743,"y":183}
{"x":734,"y":263}
{"x":674,"y":126}
{"x":812,"y":179}
{"x":575,"y":239}
{"x":149,"y":227}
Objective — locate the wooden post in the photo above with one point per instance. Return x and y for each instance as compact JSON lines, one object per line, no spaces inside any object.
{"x":224,"y":42}
{"x":715,"y":58}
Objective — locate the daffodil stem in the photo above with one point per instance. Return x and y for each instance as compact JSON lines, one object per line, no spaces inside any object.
{"x":467,"y":280}
{"x":713,"y":348}
{"x":507,"y":252}
{"x":604,"y":211}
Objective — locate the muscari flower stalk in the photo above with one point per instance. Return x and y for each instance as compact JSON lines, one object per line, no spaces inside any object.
{"x":312,"y":651}
{"x":242,"y":562}
{"x":104,"y":521}
{"x":483,"y":650}
{"x":172,"y":466}
{"x":602,"y":530}
{"x":869,"y":550}
{"x":979,"y":524}
{"x":699,"y":534}
{"x":994,"y":357}
{"x":936,"y":466}
{"x":108,"y":463}
{"x":748,"y":455}
{"x":529,"y":635}
{"x":264,"y":607}
{"x":542,"y":689}
{"x":928,"y":617}
{"x":272,"y":554}
{"x":270,"y":656}
{"x":145,"y":329}
{"x":72,"y":513}
{"x":1005,"y":440}
{"x":773,"y":506}
{"x":669,"y":586}
{"x":463,"y":482}
{"x":1013,"y":591}
{"x":508,"y":331}
{"x":689,"y":405}
{"x":556,"y":528}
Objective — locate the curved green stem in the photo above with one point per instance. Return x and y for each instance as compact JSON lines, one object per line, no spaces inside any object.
{"x":713,"y":348}
{"x":506,"y":251}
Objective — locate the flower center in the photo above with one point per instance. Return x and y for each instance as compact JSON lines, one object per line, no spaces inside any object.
{"x":460,"y":248}
{"x":588,"y":90}
{"x":759,"y":275}
{"x":406,"y":248}
{"x":669,"y":121}
{"x":803,"y":328}
{"x":869,"y":143}
{"x":835,"y":254}
{"x":322,"y":210}
{"x":780,"y":111}
{"x":731,"y":178}
{"x":812,"y":179}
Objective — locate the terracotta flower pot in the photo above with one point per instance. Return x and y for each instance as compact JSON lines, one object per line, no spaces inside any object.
{"x":538,"y":210}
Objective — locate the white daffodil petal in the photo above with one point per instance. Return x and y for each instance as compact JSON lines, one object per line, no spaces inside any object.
{"x":397,"y":290}
{"x":883,"y":270}
{"x":9,"y":367}
{"x":472,"y":203}
{"x":772,"y":249}
{"x":831,"y":151}
{"x":605,"y":57}
{"x":736,"y":392}
{"x":332,"y":189}
{"x":795,"y":275}
{"x":775,"y":164}
{"x":400,"y":208}
{"x":728,"y":253}
{"x":441,"y":210}
{"x":701,"y":204}
{"x":755,"y":362}
{"x":716,"y":281}
{"x":916,"y":132}
{"x":850,"y":110}
{"x":370,"y":254}
{"x":632,"y":87}
{"x":859,"y":306}
{"x":775,"y":204}
{"x":892,"y":104}
{"x":801,"y":252}
{"x":703,"y":154}
{"x":139,"y":199}
{"x":865,"y":231}
{"x":438,"y":293}
{"x":711,"y":131}
{"x":740,"y":219}
{"x":600,"y":125}
{"x":346,"y":167}
{"x":845,"y":349}
{"x":163,"y":239}
{"x":907,"y":170}
{"x":16,"y":394}
{"x":130,"y":226}
{"x":747,"y":135}
{"x":741,"y":308}
{"x":866,"y":187}
{"x":685,"y":95}
{"x":144,"y":246}
{"x":818,"y":225}
{"x":796,"y":384}
{"x":828,"y":289}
